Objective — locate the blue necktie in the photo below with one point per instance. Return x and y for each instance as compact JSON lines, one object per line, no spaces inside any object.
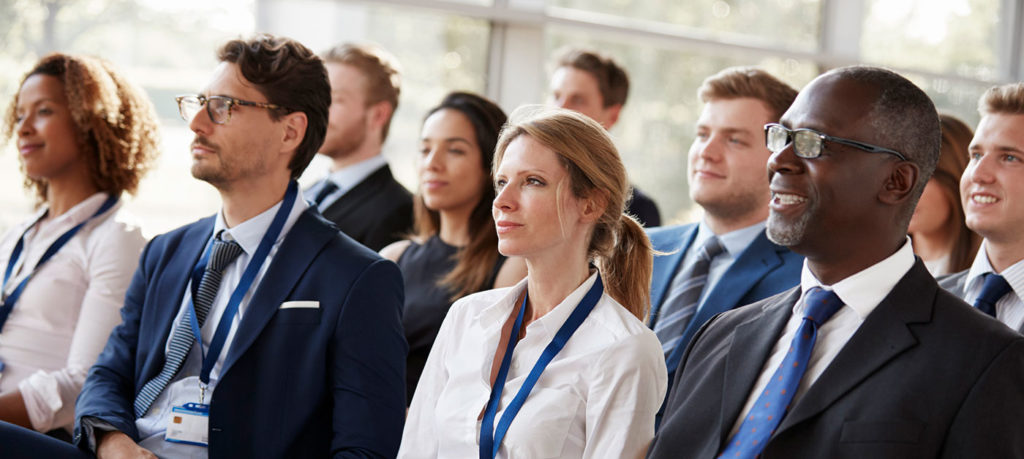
{"x":994,"y":288}
{"x":328,"y":188}
{"x":772,"y":404}
{"x":681,"y":303}
{"x":223,"y":253}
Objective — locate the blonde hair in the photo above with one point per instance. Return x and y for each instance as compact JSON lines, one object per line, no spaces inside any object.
{"x":618,"y":245}
{"x":1008,"y":98}
{"x":115,"y":124}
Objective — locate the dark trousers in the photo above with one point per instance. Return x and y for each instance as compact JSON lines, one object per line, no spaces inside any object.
{"x":19,"y":442}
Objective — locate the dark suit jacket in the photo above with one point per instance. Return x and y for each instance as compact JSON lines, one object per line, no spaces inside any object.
{"x":295,"y":382}
{"x":376,"y":212}
{"x":956,"y":283}
{"x":644,"y":209}
{"x":924,"y":376}
{"x":760,"y":271}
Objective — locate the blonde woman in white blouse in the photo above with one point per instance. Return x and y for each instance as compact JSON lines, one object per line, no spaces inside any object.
{"x":84,"y":136}
{"x":497,"y":383}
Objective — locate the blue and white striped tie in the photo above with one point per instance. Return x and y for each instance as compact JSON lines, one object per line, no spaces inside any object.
{"x":223,"y":253}
{"x":681,"y":303}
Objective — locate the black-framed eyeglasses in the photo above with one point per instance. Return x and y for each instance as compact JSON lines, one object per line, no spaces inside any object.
{"x":218,"y":107}
{"x":807,"y":143}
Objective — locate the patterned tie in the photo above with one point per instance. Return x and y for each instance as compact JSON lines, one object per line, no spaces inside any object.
{"x":223,"y":253}
{"x":995,"y":287}
{"x":329,"y":187}
{"x":772,"y":404}
{"x":681,"y":303}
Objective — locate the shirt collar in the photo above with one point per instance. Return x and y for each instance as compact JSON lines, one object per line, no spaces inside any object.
{"x":864,"y":290}
{"x":81,"y":211}
{"x":1014,"y":274}
{"x":546,"y":326}
{"x":249,"y":233}
{"x":348,"y":177}
{"x":734,"y":242}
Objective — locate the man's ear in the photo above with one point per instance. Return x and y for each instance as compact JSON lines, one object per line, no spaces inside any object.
{"x":379,"y":114}
{"x":900,"y":183}
{"x":611,"y":115}
{"x":294,"y":131}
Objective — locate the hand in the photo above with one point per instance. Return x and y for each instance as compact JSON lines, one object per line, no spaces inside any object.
{"x":118,"y":445}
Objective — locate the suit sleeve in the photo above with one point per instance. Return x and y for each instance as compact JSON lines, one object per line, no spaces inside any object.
{"x":108,"y":392}
{"x":368,"y":366}
{"x":989,"y":423}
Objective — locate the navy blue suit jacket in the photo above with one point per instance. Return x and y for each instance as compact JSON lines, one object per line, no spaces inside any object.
{"x":296,"y":382}
{"x":760,"y":271}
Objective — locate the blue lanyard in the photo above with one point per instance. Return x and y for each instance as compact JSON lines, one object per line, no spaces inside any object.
{"x":248,"y":276}
{"x":8,"y":300}
{"x":489,"y":444}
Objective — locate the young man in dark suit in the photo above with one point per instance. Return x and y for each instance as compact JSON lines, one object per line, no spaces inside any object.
{"x":992,"y":190}
{"x":868,"y":357}
{"x":360,"y":195}
{"x":728,"y":178}
{"x":300,"y":347}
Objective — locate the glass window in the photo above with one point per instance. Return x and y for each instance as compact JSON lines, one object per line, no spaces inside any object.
{"x":788,"y":23}
{"x":959,"y":37}
{"x":656,"y":126}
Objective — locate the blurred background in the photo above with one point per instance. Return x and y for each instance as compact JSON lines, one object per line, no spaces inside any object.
{"x":954,"y":49}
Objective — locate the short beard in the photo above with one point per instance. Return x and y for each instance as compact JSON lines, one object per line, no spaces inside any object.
{"x":787,"y":234}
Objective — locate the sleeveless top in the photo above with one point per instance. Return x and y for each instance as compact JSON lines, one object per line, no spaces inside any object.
{"x":426,"y":302}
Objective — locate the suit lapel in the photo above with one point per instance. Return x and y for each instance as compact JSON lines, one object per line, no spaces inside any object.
{"x":883,"y":336}
{"x":302,"y":243}
{"x":173,"y":279}
{"x":752,"y":342}
{"x":666,"y":266}
{"x":759,"y":259}
{"x":358,"y":194}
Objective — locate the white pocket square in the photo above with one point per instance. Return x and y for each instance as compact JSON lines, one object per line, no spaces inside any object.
{"x":300,"y":304}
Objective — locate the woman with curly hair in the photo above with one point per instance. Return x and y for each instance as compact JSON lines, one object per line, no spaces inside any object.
{"x":84,"y":137}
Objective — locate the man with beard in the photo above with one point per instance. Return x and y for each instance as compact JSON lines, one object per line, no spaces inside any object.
{"x":726,"y":260}
{"x":360,"y":195}
{"x":868,"y":357}
{"x":261,"y":331}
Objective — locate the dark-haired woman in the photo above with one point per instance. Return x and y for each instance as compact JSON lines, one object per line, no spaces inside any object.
{"x":84,"y":137}
{"x":454,"y":251}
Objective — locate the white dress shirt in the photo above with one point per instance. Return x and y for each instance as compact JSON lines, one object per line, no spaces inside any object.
{"x":861,"y":293}
{"x":184,"y":388}
{"x":66,"y":312}
{"x":347,"y":178}
{"x":1009,"y":308}
{"x":734,"y":243}
{"x":597,"y":397}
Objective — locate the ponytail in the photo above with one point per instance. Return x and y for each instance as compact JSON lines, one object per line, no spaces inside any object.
{"x":626,"y":268}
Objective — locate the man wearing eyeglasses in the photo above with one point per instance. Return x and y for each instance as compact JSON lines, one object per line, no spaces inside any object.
{"x":725,"y":260}
{"x":261,"y":331}
{"x":867,"y":357}
{"x":992,"y":190}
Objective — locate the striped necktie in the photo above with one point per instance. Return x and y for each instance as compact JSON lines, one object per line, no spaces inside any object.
{"x":681,"y":303}
{"x":223,"y":253}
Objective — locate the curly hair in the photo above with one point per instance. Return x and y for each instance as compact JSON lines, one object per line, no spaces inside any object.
{"x":115,"y":124}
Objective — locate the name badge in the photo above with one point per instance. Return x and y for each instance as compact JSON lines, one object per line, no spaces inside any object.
{"x":189,"y":424}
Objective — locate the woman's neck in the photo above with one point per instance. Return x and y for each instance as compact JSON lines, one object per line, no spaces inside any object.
{"x":454,"y":228}
{"x":550,"y":281}
{"x":932,"y":246}
{"x":62,"y":195}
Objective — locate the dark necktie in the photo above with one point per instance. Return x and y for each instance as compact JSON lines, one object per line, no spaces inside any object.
{"x":223,"y":253}
{"x":994,"y":288}
{"x":328,"y":188}
{"x":681,"y":303}
{"x":772,"y":404}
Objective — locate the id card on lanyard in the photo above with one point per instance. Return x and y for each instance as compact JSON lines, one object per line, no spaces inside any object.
{"x":9,"y":298}
{"x":188,"y":423}
{"x":490,"y":437}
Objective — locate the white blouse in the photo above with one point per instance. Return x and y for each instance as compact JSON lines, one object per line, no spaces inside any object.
{"x":66,"y":312}
{"x":597,"y":397}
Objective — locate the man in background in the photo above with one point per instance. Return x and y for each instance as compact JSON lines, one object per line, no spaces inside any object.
{"x":595,"y":85}
{"x":360,"y":195}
